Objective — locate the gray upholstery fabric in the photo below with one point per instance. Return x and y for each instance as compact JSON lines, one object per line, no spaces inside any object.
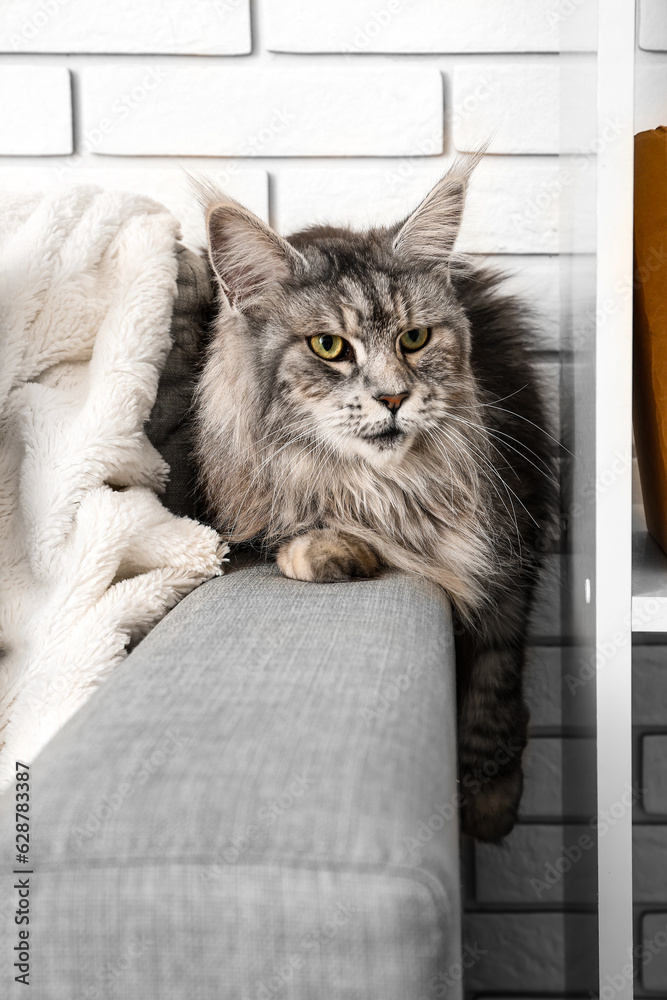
{"x":252,"y":805}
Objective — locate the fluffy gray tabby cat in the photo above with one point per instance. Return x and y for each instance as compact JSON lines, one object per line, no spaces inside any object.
{"x":368,"y":400}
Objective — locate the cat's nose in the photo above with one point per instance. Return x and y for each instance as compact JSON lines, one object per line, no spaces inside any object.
{"x":393,"y":403}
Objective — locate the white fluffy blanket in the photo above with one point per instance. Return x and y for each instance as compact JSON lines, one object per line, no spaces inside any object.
{"x":90,"y":560}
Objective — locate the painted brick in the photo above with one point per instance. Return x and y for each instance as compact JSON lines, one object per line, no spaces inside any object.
{"x":577,"y":301}
{"x":551,"y":697}
{"x":649,"y":685}
{"x":167,"y":185}
{"x":239,"y":111}
{"x":649,"y":864}
{"x":538,"y":865}
{"x":650,"y":87}
{"x":578,"y":691}
{"x":545,"y":281}
{"x":542,"y":952}
{"x":653,"y":25}
{"x":545,"y":619}
{"x":654,"y":774}
{"x":559,"y":778}
{"x":537,"y":280}
{"x":543,"y":685}
{"x":193,"y":27}
{"x":426,"y":26}
{"x":654,"y":941}
{"x":548,"y":372}
{"x":518,"y":108}
{"x":36,"y":111}
{"x":512,"y":206}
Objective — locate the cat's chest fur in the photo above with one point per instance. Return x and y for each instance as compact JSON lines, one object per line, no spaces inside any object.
{"x":414,"y":517}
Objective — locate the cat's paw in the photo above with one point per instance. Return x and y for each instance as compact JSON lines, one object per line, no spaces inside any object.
{"x":489,"y":809}
{"x":326,"y":556}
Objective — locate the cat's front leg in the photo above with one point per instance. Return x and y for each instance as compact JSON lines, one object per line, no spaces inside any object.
{"x":325,"y":555}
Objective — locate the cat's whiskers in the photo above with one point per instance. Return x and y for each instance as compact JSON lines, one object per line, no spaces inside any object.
{"x":430,"y":434}
{"x":495,"y":433}
{"x":251,"y":448}
{"x":463,"y":457}
{"x":537,"y":427}
{"x":490,"y":466}
{"x":513,"y":413}
{"x":501,"y":399}
{"x":483,"y":528}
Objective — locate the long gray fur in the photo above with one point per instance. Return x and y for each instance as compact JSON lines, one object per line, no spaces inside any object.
{"x":456,"y":485}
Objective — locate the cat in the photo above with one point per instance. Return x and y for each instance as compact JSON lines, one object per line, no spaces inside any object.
{"x":368,"y":400}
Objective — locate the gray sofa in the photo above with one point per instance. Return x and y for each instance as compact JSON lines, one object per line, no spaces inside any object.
{"x":259,"y":803}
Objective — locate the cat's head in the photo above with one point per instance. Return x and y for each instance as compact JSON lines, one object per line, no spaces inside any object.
{"x":355,"y":341}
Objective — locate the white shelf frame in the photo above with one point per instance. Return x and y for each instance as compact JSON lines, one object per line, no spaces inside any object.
{"x":613,"y":537}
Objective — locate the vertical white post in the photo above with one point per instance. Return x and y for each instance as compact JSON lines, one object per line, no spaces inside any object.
{"x":616,"y":51}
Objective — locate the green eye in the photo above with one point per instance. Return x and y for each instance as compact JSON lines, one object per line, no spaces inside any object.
{"x":330,"y":347}
{"x":412,"y":340}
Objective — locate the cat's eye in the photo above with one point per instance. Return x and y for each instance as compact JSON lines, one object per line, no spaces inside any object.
{"x":330,"y":347}
{"x":413,"y":340}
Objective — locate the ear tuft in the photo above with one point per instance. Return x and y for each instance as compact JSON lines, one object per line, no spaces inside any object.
{"x":248,"y":257}
{"x":429,"y":234}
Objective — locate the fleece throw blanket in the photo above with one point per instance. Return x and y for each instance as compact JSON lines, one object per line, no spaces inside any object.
{"x":90,"y":559}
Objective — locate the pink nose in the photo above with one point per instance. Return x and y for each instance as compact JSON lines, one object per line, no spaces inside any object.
{"x":393,"y":403}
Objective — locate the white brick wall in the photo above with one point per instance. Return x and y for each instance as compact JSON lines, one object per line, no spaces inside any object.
{"x":424,"y":25}
{"x":530,"y":869}
{"x":553,"y":702}
{"x":196,"y":27}
{"x":534,"y":953}
{"x":341,"y":136}
{"x":548,"y":864}
{"x":550,"y":790}
{"x":649,"y":864}
{"x":518,"y":105}
{"x":236,"y":111}
{"x":651,"y":66}
{"x":651,"y":91}
{"x":653,"y":24}
{"x":170,"y":185}
{"x":654,"y":774}
{"x":512,"y":206}
{"x":35,"y":111}
{"x":649,"y":686}
{"x":654,"y":972}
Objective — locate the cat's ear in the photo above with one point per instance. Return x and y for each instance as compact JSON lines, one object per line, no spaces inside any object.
{"x":248,"y":256}
{"x":429,"y":234}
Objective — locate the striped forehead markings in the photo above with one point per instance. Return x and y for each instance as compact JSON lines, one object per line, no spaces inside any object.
{"x":366,"y":301}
